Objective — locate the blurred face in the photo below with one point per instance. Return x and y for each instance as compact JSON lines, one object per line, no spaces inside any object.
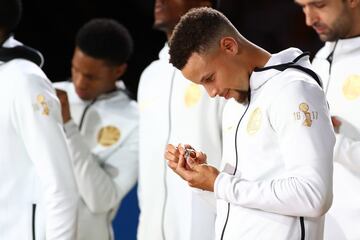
{"x":221,"y":72}
{"x":93,"y":77}
{"x":331,"y":19}
{"x":167,"y":13}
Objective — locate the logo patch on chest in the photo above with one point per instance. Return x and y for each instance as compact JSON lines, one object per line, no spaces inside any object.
{"x":192,"y":95}
{"x":351,"y":87}
{"x":108,"y":135}
{"x":254,"y":122}
{"x":306,"y":115}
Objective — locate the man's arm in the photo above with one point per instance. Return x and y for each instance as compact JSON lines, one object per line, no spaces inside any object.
{"x":102,"y":187}
{"x":36,"y":114}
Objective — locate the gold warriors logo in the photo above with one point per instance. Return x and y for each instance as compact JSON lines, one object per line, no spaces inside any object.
{"x":192,"y":95}
{"x":351,"y":87}
{"x":108,"y":136}
{"x":306,"y":115}
{"x":254,"y":123}
{"x":41,"y":101}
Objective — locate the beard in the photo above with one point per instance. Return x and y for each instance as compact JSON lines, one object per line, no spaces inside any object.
{"x":340,"y":28}
{"x":243,"y":97}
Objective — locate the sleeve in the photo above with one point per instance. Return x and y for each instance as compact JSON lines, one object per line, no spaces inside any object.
{"x":347,"y":152}
{"x":300,"y":118}
{"x":36,"y":115}
{"x":102,"y":187}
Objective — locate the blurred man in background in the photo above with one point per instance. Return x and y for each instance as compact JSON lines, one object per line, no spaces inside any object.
{"x":101,"y":124}
{"x":174,"y":110}
{"x":337,"y":22}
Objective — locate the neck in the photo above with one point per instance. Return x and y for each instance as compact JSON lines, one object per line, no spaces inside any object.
{"x":259,"y":57}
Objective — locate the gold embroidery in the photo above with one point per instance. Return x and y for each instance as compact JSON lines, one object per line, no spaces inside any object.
{"x":108,"y":136}
{"x":42,"y":101}
{"x":303,"y":107}
{"x":254,"y":123}
{"x":351,"y":87}
{"x":192,"y":95}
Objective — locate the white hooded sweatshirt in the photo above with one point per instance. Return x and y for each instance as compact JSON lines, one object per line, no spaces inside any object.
{"x":280,"y":185}
{"x":174,"y":110}
{"x":338,"y":65}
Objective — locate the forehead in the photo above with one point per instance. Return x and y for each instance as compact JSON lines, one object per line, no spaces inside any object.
{"x":195,"y":68}
{"x":308,"y":2}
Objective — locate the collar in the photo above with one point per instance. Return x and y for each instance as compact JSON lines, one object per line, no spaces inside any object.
{"x":261,"y":75}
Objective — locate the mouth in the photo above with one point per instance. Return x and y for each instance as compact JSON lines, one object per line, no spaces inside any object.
{"x":225,"y":94}
{"x":81,"y":92}
{"x":319,"y":29}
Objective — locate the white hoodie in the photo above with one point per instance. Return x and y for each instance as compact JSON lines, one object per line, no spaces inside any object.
{"x":342,"y":85}
{"x":103,"y":141}
{"x":38,"y":196}
{"x":282,"y":185}
{"x":174,"y":110}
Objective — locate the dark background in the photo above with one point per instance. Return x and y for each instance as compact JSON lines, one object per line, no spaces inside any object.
{"x":50,"y":26}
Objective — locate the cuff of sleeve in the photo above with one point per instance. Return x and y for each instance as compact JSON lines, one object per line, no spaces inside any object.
{"x":70,"y":128}
{"x":337,"y":148}
{"x":220,"y":185}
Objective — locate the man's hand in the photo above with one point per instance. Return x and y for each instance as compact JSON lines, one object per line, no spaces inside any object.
{"x":172,"y":154}
{"x":194,"y":170}
{"x":336,"y":123}
{"x":65,"y":108}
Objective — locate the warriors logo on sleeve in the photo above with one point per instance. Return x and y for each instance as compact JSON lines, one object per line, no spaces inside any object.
{"x":42,"y":105}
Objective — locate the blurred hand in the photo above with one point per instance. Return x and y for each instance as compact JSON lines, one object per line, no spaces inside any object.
{"x":65,"y":108}
{"x":336,"y":123}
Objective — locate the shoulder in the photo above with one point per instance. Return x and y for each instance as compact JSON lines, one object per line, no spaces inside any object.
{"x":27,"y":75}
{"x":65,"y":85}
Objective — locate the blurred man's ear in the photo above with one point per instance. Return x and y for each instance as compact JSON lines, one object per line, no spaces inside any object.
{"x":120,"y":70}
{"x":206,"y":4}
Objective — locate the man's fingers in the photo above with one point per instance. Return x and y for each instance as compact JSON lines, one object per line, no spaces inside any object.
{"x":172,"y":165}
{"x":170,"y":157}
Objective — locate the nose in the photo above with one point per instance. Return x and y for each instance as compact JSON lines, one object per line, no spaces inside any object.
{"x":80,"y":81}
{"x":310,"y":16}
{"x":212,"y":92}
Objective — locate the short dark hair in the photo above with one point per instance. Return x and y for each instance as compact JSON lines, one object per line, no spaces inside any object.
{"x":106,"y":39}
{"x":197,"y":31}
{"x":10,"y":15}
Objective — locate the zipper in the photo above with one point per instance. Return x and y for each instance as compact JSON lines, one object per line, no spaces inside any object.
{"x":330,"y":59}
{"x":236,"y":164}
{"x":84,"y":113}
{"x":165,"y":166}
{"x":33,"y":222}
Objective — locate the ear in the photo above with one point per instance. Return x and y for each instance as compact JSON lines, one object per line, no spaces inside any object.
{"x":229,"y":45}
{"x":353,"y":3}
{"x":120,"y":70}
